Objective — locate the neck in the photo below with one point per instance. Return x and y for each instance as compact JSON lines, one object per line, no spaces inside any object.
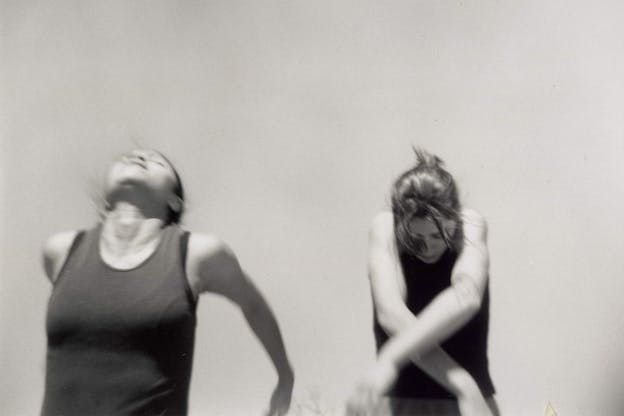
{"x":126,"y":227}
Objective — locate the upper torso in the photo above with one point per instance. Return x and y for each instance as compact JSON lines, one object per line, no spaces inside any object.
{"x":468,"y":346}
{"x":120,"y":341}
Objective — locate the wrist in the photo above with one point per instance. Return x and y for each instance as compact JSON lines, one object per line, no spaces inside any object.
{"x":464,"y":385}
{"x":286,"y":375}
{"x":382,"y":375}
{"x":388,"y":356}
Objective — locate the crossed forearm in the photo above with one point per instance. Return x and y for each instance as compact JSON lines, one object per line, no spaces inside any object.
{"x":434,"y":324}
{"x":425,"y":354}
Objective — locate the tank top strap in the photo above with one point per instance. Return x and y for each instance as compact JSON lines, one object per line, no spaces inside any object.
{"x":123,"y":335}
{"x":183,"y":241}
{"x":176,"y":241}
{"x":178,"y":237}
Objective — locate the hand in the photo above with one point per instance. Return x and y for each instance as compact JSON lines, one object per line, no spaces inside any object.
{"x":367,"y":395}
{"x":281,"y":397}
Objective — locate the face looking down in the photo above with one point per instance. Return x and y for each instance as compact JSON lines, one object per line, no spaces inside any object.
{"x":431,"y":242}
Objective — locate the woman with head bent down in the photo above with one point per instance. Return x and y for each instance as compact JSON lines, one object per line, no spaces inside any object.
{"x":121,"y":316}
{"x":428,"y":271}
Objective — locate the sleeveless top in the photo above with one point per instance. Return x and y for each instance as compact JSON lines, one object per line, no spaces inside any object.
{"x":468,"y":346}
{"x":120,"y":342}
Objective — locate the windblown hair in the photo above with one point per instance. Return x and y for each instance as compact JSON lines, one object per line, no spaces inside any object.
{"x":426,"y":191}
{"x":175,"y":217}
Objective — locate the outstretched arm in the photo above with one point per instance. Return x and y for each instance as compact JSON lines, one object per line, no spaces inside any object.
{"x":214,"y":268}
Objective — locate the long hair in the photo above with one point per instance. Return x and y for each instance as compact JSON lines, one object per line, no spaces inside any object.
{"x":425,"y":191}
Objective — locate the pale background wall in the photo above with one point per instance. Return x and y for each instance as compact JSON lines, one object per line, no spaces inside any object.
{"x":288,"y":121}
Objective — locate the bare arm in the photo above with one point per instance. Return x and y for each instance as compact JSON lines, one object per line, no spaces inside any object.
{"x":417,"y":338}
{"x":214,"y":268}
{"x":388,"y":290}
{"x":454,"y":306}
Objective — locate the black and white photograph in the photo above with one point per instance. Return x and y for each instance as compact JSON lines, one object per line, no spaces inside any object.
{"x":328,"y":208}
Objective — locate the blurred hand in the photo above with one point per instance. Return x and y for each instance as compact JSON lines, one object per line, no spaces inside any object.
{"x":365,"y":400}
{"x":281,"y":397}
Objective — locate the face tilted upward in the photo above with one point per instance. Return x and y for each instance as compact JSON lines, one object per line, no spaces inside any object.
{"x":142,"y":169}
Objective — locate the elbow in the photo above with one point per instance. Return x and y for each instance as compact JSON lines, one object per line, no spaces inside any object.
{"x":468,"y":295}
{"x":469,"y":302}
{"x":251,"y":309}
{"x":385,"y":322}
{"x":473,"y":306}
{"x":252,"y":306}
{"x":389,"y":322}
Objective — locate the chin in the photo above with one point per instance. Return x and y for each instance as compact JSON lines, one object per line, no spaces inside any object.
{"x":430,"y":259}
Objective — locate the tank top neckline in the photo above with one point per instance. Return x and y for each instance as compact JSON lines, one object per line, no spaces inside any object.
{"x":120,"y":342}
{"x":98,"y":235}
{"x":448,"y":255}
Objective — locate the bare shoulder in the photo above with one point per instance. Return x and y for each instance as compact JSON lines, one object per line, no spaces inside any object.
{"x":55,"y":250}
{"x":59,"y":242}
{"x":210,"y":263}
{"x":474,"y":224}
{"x":208,"y":250}
{"x":204,"y":245}
{"x":472,"y":266}
{"x":472,"y":216}
{"x":382,"y":225}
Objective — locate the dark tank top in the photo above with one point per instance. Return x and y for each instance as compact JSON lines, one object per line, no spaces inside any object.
{"x":468,"y":346}
{"x":120,"y":342}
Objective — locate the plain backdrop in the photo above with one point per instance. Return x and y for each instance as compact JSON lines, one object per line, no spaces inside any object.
{"x":288,"y":121}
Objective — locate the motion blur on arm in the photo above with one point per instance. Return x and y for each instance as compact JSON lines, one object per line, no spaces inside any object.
{"x":138,"y":248}
{"x":425,"y":222}
{"x":452,"y":308}
{"x":213,"y":267}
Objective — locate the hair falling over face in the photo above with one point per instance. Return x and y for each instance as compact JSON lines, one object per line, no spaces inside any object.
{"x":426,"y":191}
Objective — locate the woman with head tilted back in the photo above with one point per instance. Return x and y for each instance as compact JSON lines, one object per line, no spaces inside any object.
{"x":428,"y":271}
{"x":121,"y":316}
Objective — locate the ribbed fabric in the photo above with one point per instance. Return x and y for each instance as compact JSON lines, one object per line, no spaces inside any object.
{"x":120,"y":342}
{"x":468,"y":346}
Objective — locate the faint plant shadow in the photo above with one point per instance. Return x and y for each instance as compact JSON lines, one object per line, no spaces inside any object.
{"x":311,"y":404}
